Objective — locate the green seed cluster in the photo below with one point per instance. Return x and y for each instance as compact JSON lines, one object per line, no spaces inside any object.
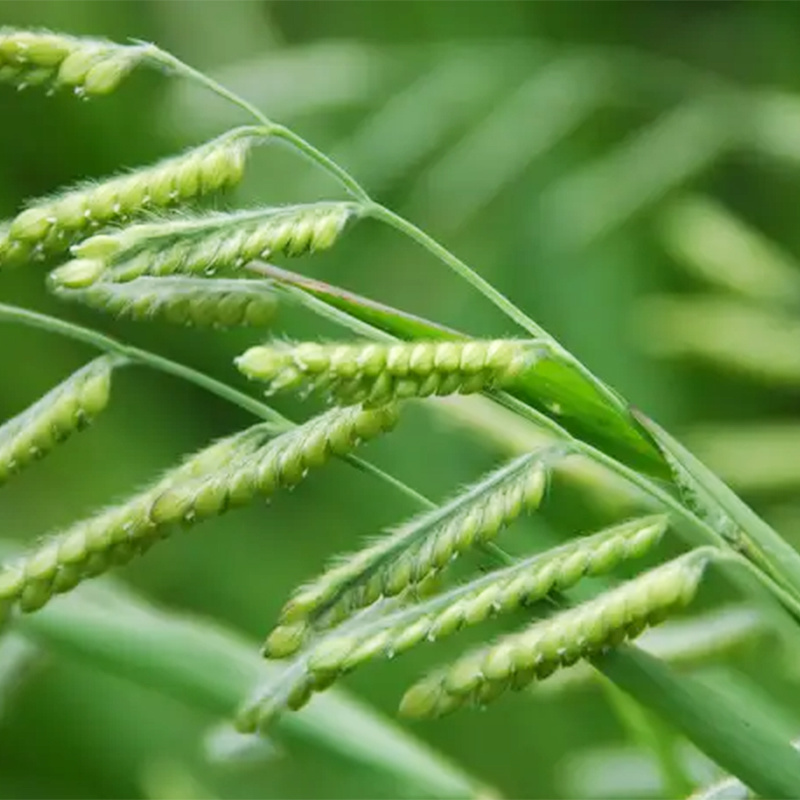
{"x":204,"y":245}
{"x":410,"y":555}
{"x":373,"y":373}
{"x":281,"y":463}
{"x":516,"y":661}
{"x":226,"y":474}
{"x":69,"y":407}
{"x":88,"y":66}
{"x":111,"y":537}
{"x":188,"y":301}
{"x":51,"y":225}
{"x":500,"y":592}
{"x":391,"y":632}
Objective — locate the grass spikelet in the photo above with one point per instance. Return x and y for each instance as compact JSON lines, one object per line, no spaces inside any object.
{"x":114,"y":535}
{"x":280,"y":464}
{"x":226,"y":474}
{"x":69,"y":407}
{"x":375,"y":373}
{"x":205,"y":244}
{"x":380,"y":632}
{"x":515,"y":661}
{"x":50,"y":225}
{"x":87,"y":66}
{"x":414,"y":552}
{"x":217,"y":302}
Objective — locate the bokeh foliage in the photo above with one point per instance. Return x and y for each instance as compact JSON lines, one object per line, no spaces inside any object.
{"x":558,"y":148}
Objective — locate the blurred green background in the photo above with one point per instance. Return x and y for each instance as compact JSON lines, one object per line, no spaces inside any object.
{"x":628,"y":173}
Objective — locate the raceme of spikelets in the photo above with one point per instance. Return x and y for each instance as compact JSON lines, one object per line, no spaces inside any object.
{"x":204,"y":244}
{"x":88,"y":66}
{"x":69,"y":407}
{"x":414,"y":552}
{"x":203,"y":302}
{"x":50,"y":225}
{"x":515,"y":661}
{"x":112,"y":536}
{"x":501,"y":591}
{"x":226,"y":474}
{"x":375,"y":373}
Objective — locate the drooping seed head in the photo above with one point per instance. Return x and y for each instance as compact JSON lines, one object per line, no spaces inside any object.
{"x":519,"y":659}
{"x":418,"y":550}
{"x":50,"y":225}
{"x":189,"y":301}
{"x":117,"y":534}
{"x":88,"y":66}
{"x":209,"y":243}
{"x":68,"y":407}
{"x":375,"y":373}
{"x":500,"y":592}
{"x":279,"y":464}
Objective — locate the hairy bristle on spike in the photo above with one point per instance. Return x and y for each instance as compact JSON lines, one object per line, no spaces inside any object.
{"x":50,"y":225}
{"x":375,"y":373}
{"x":207,"y":243}
{"x":415,"y":551}
{"x":224,"y":475}
{"x":87,"y":66}
{"x":189,"y":301}
{"x":68,"y":407}
{"x":517,"y":660}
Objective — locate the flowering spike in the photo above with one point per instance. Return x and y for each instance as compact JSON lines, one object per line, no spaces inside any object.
{"x":208,"y":243}
{"x":517,"y":660}
{"x":227,"y":473}
{"x":68,"y":407}
{"x":88,"y":66}
{"x":50,"y":225}
{"x":375,"y":373}
{"x":188,"y":301}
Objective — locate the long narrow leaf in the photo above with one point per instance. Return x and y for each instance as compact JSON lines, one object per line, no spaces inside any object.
{"x":727,"y":513}
{"x":212,"y":668}
{"x":764,"y":760}
{"x":554,"y":384}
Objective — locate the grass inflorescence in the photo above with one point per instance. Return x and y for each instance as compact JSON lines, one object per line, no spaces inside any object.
{"x":378,"y":373}
{"x":133,"y":245}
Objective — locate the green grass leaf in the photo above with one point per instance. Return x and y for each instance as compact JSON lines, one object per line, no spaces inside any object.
{"x":554,"y":385}
{"x":212,"y":668}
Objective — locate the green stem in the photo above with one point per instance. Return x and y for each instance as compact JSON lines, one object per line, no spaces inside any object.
{"x":327,"y":164}
{"x":170,"y":61}
{"x":401,"y":224}
{"x":34,"y":319}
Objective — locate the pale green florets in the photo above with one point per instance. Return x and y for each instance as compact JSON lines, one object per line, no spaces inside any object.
{"x":375,"y":373}
{"x":69,"y":407}
{"x":203,"y":302}
{"x":515,"y":661}
{"x":51,"y":225}
{"x":394,"y":631}
{"x":226,"y":474}
{"x":89,"y":66}
{"x":203,"y":245}
{"x":412,"y":554}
